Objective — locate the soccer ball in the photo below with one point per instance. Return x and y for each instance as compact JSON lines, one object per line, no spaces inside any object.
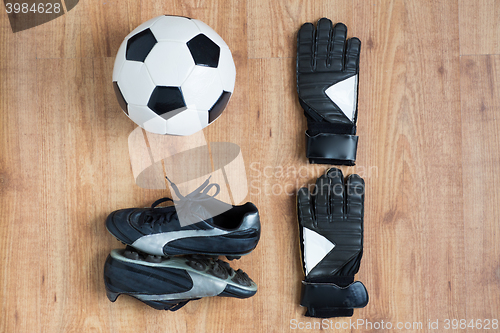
{"x":173,"y":75}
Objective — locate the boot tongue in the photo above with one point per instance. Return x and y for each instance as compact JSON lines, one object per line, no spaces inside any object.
{"x":192,"y":214}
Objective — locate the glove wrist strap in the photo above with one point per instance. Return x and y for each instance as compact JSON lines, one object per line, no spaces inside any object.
{"x":326,"y":300}
{"x":330,"y":148}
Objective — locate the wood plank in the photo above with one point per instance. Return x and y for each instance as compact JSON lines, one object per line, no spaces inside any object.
{"x":433,"y":160}
{"x":382,"y":106}
{"x":275,"y":23}
{"x":20,"y":183}
{"x":479,"y":77}
{"x":67,"y":178}
{"x":479,"y":27}
{"x":274,"y":177}
{"x":111,"y":164}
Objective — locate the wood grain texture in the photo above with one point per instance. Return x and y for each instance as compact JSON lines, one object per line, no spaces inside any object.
{"x":432,"y":134}
{"x":428,"y":151}
{"x":92,"y":29}
{"x":479,"y":28}
{"x":20,"y":182}
{"x":382,"y":106}
{"x":480,"y":93}
{"x":275,"y":23}
{"x":273,"y":176}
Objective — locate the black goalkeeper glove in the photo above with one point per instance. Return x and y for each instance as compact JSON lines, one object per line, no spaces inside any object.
{"x":331,"y":241}
{"x":327,"y":84}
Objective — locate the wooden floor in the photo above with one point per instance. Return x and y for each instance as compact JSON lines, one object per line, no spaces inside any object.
{"x":429,"y":124}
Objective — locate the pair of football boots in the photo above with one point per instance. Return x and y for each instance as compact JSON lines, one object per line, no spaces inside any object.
{"x":168,"y":263}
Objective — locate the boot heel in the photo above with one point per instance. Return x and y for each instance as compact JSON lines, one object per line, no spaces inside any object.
{"x":173,"y":305}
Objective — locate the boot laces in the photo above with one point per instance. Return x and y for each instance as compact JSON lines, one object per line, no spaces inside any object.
{"x":162,"y":215}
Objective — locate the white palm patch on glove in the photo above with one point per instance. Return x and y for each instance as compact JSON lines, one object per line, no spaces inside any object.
{"x":316,"y":247}
{"x":344,"y":95}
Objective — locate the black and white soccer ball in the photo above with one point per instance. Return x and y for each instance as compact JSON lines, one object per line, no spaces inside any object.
{"x":173,"y":75}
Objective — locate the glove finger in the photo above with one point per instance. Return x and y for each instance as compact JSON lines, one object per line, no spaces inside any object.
{"x":355,"y":197}
{"x":337,"y":55}
{"x":322,"y":201}
{"x":305,"y":52}
{"x":304,"y":208}
{"x":337,"y":191}
{"x":323,"y":40}
{"x":352,"y":55}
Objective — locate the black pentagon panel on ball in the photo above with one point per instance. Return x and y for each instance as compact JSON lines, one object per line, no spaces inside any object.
{"x":139,"y":45}
{"x":166,"y":99}
{"x":204,"y":51}
{"x":219,"y":106}
{"x":121,"y":100}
